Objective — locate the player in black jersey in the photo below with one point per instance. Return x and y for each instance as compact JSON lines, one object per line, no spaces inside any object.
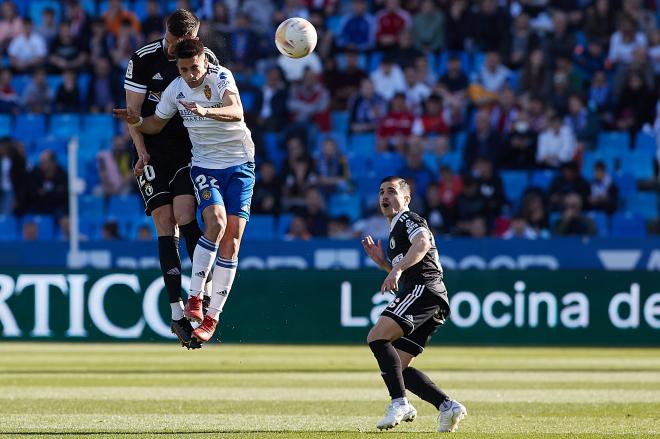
{"x":419,"y":308}
{"x":162,"y":161}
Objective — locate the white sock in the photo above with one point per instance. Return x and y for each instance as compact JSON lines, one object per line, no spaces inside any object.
{"x":400,"y":401}
{"x":177,"y":310}
{"x":223,"y":278}
{"x":203,"y":259}
{"x":208,"y":288}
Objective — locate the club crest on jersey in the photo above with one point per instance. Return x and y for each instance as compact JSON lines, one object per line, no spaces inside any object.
{"x":392,"y":243}
{"x":180,"y":95}
{"x":148,"y":189}
{"x":207,"y":92}
{"x":206,"y":195}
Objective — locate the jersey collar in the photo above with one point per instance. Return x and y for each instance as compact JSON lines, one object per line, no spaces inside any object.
{"x":396,"y":218}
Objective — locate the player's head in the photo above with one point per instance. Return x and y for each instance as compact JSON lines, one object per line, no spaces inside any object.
{"x":191,"y":61}
{"x":179,"y":25}
{"x":393,"y":196}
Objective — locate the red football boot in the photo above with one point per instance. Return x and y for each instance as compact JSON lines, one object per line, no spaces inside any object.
{"x":193,"y":309}
{"x":205,"y":331}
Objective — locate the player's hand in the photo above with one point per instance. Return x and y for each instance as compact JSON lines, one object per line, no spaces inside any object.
{"x":126,"y":115}
{"x":142,"y":161}
{"x":195,"y":108}
{"x":391,"y":282}
{"x":373,"y":250}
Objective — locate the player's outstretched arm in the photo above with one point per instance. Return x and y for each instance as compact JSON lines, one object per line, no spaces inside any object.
{"x":420,"y":245}
{"x":148,"y":125}
{"x":375,"y":252}
{"x":134,"y":103}
{"x":231,"y":110}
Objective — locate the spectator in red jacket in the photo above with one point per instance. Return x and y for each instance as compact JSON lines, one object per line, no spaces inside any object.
{"x":396,"y":127}
{"x":390,"y":22}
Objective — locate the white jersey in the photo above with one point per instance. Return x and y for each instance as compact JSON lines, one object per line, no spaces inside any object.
{"x":216,"y":144}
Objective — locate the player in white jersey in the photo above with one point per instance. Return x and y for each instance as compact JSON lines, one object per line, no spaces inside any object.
{"x":222,"y":170}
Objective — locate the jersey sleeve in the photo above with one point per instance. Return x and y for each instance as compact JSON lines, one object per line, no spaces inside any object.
{"x":226,"y":82}
{"x":137,"y":75}
{"x":166,"y":108}
{"x":414,"y":226}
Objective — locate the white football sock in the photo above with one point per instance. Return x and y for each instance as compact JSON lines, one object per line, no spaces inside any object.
{"x":177,"y":310}
{"x":223,"y":278}
{"x":203,"y":259}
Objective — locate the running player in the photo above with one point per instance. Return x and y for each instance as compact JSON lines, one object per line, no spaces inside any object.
{"x":222,"y":170}
{"x":162,"y":160}
{"x":419,"y":308}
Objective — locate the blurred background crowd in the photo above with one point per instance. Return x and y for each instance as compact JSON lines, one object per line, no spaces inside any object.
{"x":513,"y":119}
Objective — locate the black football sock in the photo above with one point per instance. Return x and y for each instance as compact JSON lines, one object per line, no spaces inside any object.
{"x":390,"y":367}
{"x":191,"y":234}
{"x":421,"y":385}
{"x":170,"y":265}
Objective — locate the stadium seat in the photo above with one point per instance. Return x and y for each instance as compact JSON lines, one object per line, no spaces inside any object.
{"x":37,"y":6}
{"x":358,"y":164}
{"x":478,"y":59}
{"x":83,"y":84}
{"x":64,"y":125}
{"x":589,"y":159}
{"x":30,"y":127}
{"x":374,"y":60}
{"x":122,"y":205}
{"x":345,"y":204}
{"x":273,"y":151}
{"x":515,"y":183}
{"x":340,"y":139}
{"x":332,"y":23}
{"x":282,"y":225}
{"x":339,"y":122}
{"x":602,"y":222}
{"x":91,"y":206}
{"x":137,"y":223}
{"x":89,"y":6}
{"x":646,"y":142}
{"x":58,"y":145}
{"x":625,"y":183}
{"x":385,"y":164}
{"x":247,"y":99}
{"x":45,"y":224}
{"x":54,"y":82}
{"x":140,"y":9}
{"x":542,"y":178}
{"x":617,"y":141}
{"x":341,"y":61}
{"x":431,"y":160}
{"x":261,"y":227}
{"x":19,"y":82}
{"x":644,"y":204}
{"x":98,"y":126}
{"x":452,"y":159}
{"x":639,"y":164}
{"x":5,"y":125}
{"x":628,"y":225}
{"x":458,"y":141}
{"x":8,"y":228}
{"x":363,"y":143}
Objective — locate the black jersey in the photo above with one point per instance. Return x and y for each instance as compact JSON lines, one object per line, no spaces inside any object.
{"x":149,"y":72}
{"x":405,"y":226}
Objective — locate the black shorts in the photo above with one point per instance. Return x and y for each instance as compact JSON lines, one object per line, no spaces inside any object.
{"x":419,"y":310}
{"x":165,"y":177}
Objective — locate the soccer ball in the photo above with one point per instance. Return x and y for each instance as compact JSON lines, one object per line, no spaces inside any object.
{"x":295,"y":37}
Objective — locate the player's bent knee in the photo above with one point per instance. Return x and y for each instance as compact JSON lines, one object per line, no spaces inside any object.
{"x":164,"y":220}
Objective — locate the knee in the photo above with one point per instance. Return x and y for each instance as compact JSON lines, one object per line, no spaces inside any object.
{"x":164,"y":221}
{"x":216,"y":226}
{"x":184,"y":217}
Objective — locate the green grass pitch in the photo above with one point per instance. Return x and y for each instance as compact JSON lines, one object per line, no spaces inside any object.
{"x":251,"y":391}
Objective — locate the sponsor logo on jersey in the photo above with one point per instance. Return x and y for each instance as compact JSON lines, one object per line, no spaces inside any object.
{"x":157,"y":77}
{"x":392,"y":243}
{"x":207,"y":92}
{"x":180,"y":95}
{"x":206,"y":195}
{"x":397,"y":259}
{"x":129,"y":70}
{"x":154,"y":96}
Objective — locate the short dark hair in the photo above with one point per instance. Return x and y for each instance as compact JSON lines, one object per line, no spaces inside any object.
{"x":182,"y":23}
{"x":403,"y":184}
{"x":188,"y":48}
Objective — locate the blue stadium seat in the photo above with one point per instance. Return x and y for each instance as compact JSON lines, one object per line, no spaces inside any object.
{"x":515,"y":183}
{"x":358,"y":164}
{"x":644,"y":204}
{"x":339,"y":122}
{"x":56,"y":144}
{"x":123,"y":205}
{"x":64,"y":125}
{"x":444,"y":59}
{"x":5,"y":125}
{"x":332,"y":23}
{"x":458,"y":141}
{"x":19,"y":82}
{"x":273,"y":150}
{"x":8,"y":228}
{"x":37,"y":6}
{"x":45,"y":224}
{"x":140,"y":9}
{"x":89,"y":6}
{"x":91,"y":206}
{"x":247,"y":99}
{"x":54,"y":82}
{"x":103,"y":6}
{"x":340,"y":140}
{"x":83,"y":84}
{"x":431,"y":160}
{"x":30,"y":127}
{"x":478,"y":59}
{"x":260,"y":227}
{"x":345,"y":204}
{"x":98,"y":126}
{"x":452,"y":159}
{"x":625,"y":183}
{"x":602,"y":222}
{"x":542,"y":178}
{"x":628,"y":225}
{"x":341,"y":61}
{"x":282,"y":224}
{"x":137,"y":223}
{"x":638,"y":163}
{"x":374,"y":60}
{"x":646,"y":142}
{"x":385,"y":164}
{"x":258,"y":79}
{"x":616,"y":141}
{"x":589,"y":159}
{"x":363,"y":143}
